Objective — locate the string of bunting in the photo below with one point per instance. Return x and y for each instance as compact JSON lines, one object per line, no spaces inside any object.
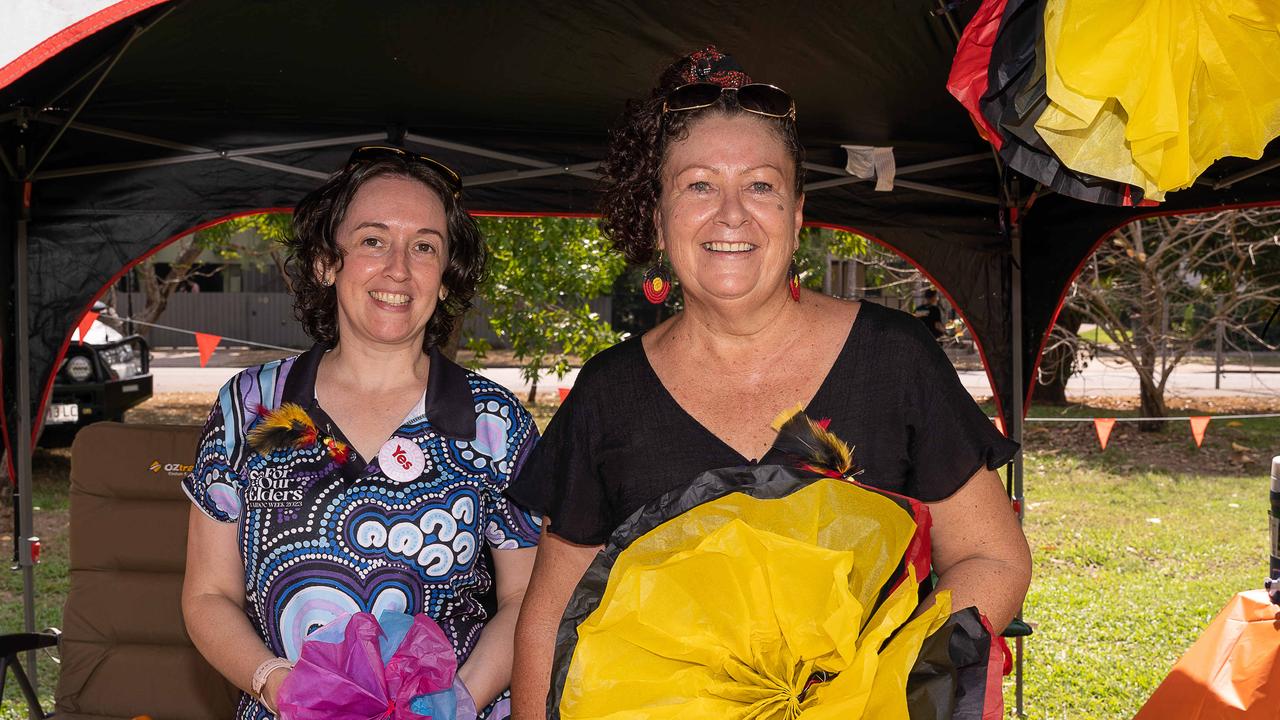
{"x":1104,"y":426}
{"x":206,"y":343}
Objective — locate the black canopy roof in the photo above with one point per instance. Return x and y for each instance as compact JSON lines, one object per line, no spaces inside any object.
{"x":203,"y":109}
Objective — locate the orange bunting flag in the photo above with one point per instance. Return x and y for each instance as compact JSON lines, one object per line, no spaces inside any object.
{"x":564,"y":393}
{"x":1198,"y":425}
{"x":1103,"y":427}
{"x":206,"y":344}
{"x":999,"y":421}
{"x":86,"y":322}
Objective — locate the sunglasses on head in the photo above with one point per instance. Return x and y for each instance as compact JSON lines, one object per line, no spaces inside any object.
{"x":759,"y":98}
{"x":371,"y":153}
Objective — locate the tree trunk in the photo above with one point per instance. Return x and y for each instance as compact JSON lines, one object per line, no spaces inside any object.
{"x":533,"y":392}
{"x":158,"y":289}
{"x":454,"y":343}
{"x":1152,"y":405}
{"x":1060,"y":358}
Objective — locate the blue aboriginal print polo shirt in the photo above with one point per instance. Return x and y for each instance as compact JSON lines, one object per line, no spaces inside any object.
{"x":401,"y":531}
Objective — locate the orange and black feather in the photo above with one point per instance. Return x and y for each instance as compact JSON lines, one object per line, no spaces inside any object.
{"x":811,"y":444}
{"x":288,"y":427}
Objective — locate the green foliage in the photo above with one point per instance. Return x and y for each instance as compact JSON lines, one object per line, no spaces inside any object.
{"x":230,"y":241}
{"x":542,"y":274}
{"x":817,"y":243}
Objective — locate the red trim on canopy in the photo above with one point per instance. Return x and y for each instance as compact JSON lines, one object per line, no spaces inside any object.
{"x":66,"y":342}
{"x":71,"y":35}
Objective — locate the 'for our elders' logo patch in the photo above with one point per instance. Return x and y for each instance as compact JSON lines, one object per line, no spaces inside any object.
{"x":272,"y":487}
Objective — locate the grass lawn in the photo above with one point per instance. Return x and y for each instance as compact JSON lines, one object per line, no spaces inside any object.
{"x":1136,"y":549}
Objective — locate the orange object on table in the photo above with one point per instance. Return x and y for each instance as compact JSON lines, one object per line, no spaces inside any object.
{"x":1232,"y":672}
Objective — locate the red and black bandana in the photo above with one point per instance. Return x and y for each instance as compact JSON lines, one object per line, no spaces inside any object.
{"x":709,"y":65}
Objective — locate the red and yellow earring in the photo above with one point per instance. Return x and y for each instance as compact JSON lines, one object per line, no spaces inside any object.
{"x":657,"y":282}
{"x":793,"y":281}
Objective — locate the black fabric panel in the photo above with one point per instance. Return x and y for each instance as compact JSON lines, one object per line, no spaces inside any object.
{"x":220,"y":75}
{"x":540,"y":79}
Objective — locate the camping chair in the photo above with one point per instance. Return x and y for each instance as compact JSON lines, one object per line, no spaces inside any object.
{"x":11,"y":646}
{"x":125,"y":650}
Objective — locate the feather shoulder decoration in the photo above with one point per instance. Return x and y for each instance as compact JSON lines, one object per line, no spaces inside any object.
{"x":811,"y":444}
{"x":289,"y":427}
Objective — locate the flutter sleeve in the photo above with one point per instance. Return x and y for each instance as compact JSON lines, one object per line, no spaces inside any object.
{"x":508,"y":525}
{"x":950,"y":438}
{"x":214,"y":483}
{"x":561,"y":479}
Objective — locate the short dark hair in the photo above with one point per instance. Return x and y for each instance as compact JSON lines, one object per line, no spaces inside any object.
{"x":313,"y":242}
{"x":931,"y":294}
{"x":638,"y":145}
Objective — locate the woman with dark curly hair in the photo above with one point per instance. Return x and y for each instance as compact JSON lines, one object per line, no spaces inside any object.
{"x":705,"y":182}
{"x":366,"y":474}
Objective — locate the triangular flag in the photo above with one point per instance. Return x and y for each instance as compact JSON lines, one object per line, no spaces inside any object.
{"x":207,"y":344}
{"x":1198,"y":425}
{"x":1103,"y":427}
{"x":86,"y":322}
{"x":564,"y":393}
{"x":999,"y":421}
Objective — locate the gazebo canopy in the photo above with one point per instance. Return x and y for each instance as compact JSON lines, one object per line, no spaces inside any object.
{"x":126,"y":124}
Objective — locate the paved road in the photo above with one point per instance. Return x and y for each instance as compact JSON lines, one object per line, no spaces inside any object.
{"x":1188,"y":380}
{"x":177,"y":372}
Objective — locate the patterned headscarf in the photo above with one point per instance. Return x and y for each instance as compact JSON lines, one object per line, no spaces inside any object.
{"x":712,"y":66}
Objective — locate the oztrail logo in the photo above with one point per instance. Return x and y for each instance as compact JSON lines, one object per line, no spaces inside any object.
{"x":175,"y":469}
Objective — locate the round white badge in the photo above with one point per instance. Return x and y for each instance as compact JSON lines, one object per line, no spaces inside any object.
{"x":401,"y":459}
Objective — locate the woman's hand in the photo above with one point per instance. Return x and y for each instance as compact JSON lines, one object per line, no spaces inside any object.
{"x":979,"y":551}
{"x":271,"y":690}
{"x":487,"y":671}
{"x":556,"y":572}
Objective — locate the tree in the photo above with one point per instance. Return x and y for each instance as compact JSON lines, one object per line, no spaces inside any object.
{"x":1159,"y":288}
{"x":543,"y":273}
{"x":227,"y":241}
{"x":1062,"y":357}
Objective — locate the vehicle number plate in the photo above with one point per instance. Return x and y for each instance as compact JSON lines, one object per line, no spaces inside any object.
{"x":62,"y":413}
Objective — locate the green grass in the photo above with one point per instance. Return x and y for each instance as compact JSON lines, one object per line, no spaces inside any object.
{"x":1098,"y":336}
{"x":1116,"y":598}
{"x":51,"y":470}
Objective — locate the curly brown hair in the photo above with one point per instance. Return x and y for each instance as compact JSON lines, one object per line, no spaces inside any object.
{"x":313,"y":244}
{"x":638,"y":146}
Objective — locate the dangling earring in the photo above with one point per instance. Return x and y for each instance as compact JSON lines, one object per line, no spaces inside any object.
{"x":657,"y":282}
{"x":793,"y":282}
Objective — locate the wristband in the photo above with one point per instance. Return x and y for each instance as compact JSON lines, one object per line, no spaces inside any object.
{"x":264,"y":671}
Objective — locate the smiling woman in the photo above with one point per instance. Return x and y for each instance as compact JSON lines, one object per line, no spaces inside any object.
{"x":364,"y":474}
{"x":706,"y":174}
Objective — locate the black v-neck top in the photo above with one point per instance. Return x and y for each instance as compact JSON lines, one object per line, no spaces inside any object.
{"x":621,"y":440}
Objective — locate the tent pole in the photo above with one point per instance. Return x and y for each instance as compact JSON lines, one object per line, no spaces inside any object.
{"x":1015,"y":419}
{"x":48,"y":148}
{"x":22,"y":436}
{"x":9,"y":169}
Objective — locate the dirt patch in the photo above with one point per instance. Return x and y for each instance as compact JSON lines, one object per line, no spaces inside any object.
{"x":1231,"y":447}
{"x":173,"y":409}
